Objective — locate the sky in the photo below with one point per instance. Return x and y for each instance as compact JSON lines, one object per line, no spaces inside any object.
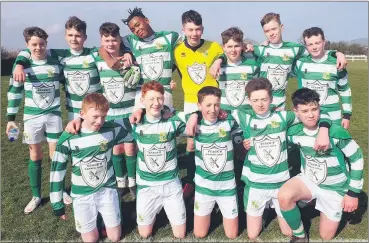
{"x":340,"y":20}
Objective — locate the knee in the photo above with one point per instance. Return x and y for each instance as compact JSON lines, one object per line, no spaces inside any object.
{"x":326,"y":235}
{"x":114,"y":238}
{"x":145,"y":234}
{"x":130,"y":150}
{"x":284,"y":199}
{"x":200,"y":234}
{"x":118,"y":149}
{"x":91,"y":238}
{"x":252,"y":234}
{"x":179,"y":235}
{"x":232,"y":235}
{"x":287,"y":232}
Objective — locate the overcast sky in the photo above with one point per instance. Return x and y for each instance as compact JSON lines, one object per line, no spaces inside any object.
{"x":339,"y":20}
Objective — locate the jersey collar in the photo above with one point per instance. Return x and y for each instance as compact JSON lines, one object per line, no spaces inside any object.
{"x":194,"y":48}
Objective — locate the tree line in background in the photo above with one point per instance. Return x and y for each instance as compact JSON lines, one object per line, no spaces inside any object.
{"x":8,"y":56}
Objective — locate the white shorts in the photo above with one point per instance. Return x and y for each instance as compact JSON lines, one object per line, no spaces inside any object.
{"x":190,"y":107}
{"x":46,"y":127}
{"x":85,"y":208}
{"x":123,"y":122}
{"x":255,"y":200}
{"x":168,"y":100}
{"x":204,"y":205}
{"x":327,"y":201}
{"x":151,"y":200}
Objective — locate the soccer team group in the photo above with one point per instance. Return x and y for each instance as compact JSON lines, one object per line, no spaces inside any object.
{"x":122,"y":126}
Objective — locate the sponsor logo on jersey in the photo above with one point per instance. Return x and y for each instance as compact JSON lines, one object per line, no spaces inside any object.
{"x":103,"y":145}
{"x":163,"y":136}
{"x":235,"y":92}
{"x":152,"y":66}
{"x":243,"y":75}
{"x":214,"y":157}
{"x":268,"y":150}
{"x":43,"y":95}
{"x":277,"y":76}
{"x":155,"y":158}
{"x":85,"y":64}
{"x":315,"y":169}
{"x":197,"y":72}
{"x":79,"y":82}
{"x":114,"y":90}
{"x":94,"y":170}
{"x":326,"y":75}
{"x":274,"y":124}
{"x":51,"y":72}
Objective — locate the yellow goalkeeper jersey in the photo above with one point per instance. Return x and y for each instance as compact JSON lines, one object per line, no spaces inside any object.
{"x":193,"y":65}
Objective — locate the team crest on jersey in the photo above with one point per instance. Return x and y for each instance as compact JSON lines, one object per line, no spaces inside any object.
{"x":206,"y":53}
{"x":43,"y":95}
{"x":214,"y":157}
{"x":183,"y":54}
{"x":274,"y":124}
{"x":235,"y":92}
{"x":197,"y":72}
{"x":243,"y":76}
{"x":326,"y":75}
{"x":163,"y":136}
{"x":50,"y":72}
{"x":315,"y":169}
{"x":277,"y":76}
{"x":286,"y":58}
{"x":93,"y":171}
{"x":103,"y":145}
{"x":222,"y":133}
{"x":268,"y":150}
{"x":321,"y":89}
{"x":85,"y":64}
{"x":155,"y":158}
{"x":152,"y":66}
{"x":79,"y":82}
{"x":114,"y":90}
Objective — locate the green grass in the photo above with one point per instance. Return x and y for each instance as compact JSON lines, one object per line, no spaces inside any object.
{"x":42,"y":225}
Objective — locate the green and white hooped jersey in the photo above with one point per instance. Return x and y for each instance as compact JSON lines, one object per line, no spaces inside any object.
{"x":232,"y":81}
{"x":265,"y":166}
{"x":41,"y":89}
{"x":331,"y":84}
{"x":214,"y":158}
{"x":121,"y":98}
{"x":328,"y":169}
{"x":91,"y":158}
{"x":154,"y":55}
{"x":80,"y":72}
{"x":157,"y":150}
{"x":275,"y":63}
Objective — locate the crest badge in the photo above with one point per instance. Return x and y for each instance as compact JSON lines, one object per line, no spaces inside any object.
{"x":235,"y":92}
{"x":103,"y":145}
{"x":114,"y":90}
{"x":214,"y":158}
{"x":43,"y":95}
{"x":163,"y":136}
{"x":286,"y":58}
{"x":85,"y":64}
{"x":50,"y":72}
{"x":155,"y":158}
{"x":274,"y":124}
{"x":243,"y":76}
{"x":315,"y":169}
{"x":268,"y":150}
{"x":197,"y":72}
{"x":326,"y":75}
{"x":277,"y":76}
{"x":79,"y":82}
{"x":321,"y":89}
{"x":93,"y":171}
{"x":152,"y":66}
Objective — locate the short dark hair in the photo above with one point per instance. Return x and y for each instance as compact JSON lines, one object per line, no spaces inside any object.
{"x":108,"y":28}
{"x":208,"y":90}
{"x":233,"y":33}
{"x":77,"y":24}
{"x":259,"y":84}
{"x":191,"y":16}
{"x":313,"y":31}
{"x":304,"y":96}
{"x":269,"y":17}
{"x":136,"y":12}
{"x":34,"y":31}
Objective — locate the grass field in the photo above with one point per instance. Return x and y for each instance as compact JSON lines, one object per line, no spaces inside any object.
{"x":42,"y":225}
